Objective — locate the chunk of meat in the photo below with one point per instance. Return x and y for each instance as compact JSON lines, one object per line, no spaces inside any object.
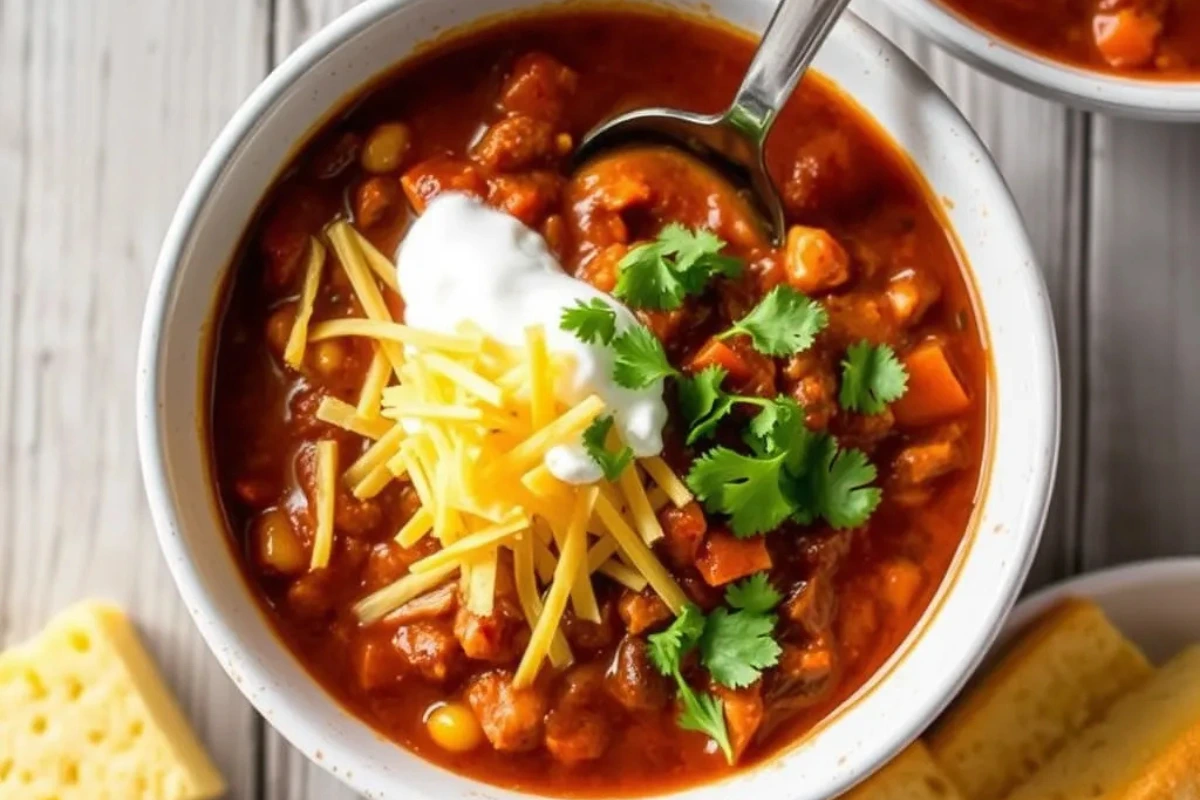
{"x":683,"y":533}
{"x":519,"y":143}
{"x":743,"y":714}
{"x":528,"y":197}
{"x":859,"y":315}
{"x":499,"y":637}
{"x":725,"y":558}
{"x":937,"y":454}
{"x":864,"y":431}
{"x":586,"y":635}
{"x":538,"y":86}
{"x":811,"y":604}
{"x":311,"y":596}
{"x":376,"y":200}
{"x":429,"y":650}
{"x":431,"y":177}
{"x":814,"y":261}
{"x":633,"y":680}
{"x":577,"y":735}
{"x":806,"y":673}
{"x":911,"y":293}
{"x":642,"y":611}
{"x":577,"y":728}
{"x":388,"y":561}
{"x":857,"y":622}
{"x":441,"y":602}
{"x":299,"y":213}
{"x":512,"y":719}
{"x":355,"y":517}
{"x":826,"y":174}
{"x":811,"y":381}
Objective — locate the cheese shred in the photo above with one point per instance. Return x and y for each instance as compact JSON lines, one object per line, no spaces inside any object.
{"x":327,"y":459}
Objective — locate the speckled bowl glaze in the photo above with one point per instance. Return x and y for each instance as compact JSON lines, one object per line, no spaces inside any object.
{"x":1168,"y":101}
{"x":868,"y":729}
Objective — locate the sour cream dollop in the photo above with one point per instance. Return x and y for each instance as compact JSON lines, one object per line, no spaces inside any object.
{"x":463,"y":260}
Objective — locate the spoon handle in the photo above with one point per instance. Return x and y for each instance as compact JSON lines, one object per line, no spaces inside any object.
{"x":796,"y":31}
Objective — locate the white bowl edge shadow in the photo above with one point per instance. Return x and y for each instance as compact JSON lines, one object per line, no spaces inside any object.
{"x":927,"y":669}
{"x":1089,"y":90}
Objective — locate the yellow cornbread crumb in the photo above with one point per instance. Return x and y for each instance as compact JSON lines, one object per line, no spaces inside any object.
{"x":84,"y":714}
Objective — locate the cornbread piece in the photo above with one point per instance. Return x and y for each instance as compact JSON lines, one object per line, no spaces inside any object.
{"x":87,"y":717}
{"x":1060,"y":677}
{"x":1146,"y":747}
{"x":912,"y":775}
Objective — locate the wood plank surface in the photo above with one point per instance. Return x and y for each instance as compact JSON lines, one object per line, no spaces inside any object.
{"x":105,"y":108}
{"x":1142,"y":462}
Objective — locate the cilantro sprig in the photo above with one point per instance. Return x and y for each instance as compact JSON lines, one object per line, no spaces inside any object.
{"x":591,"y":322}
{"x":704,"y":403}
{"x":735,"y":643}
{"x":640,"y":358}
{"x":658,"y":275}
{"x":595,"y":440}
{"x":791,"y":474}
{"x":872,"y":377}
{"x":783,"y":323}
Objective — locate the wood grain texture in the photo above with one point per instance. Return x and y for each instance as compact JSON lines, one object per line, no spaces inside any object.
{"x":1041,"y":149}
{"x":105,"y":108}
{"x":1142,"y":467}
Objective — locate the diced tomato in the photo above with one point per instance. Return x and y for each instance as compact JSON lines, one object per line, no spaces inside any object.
{"x":725,"y":558}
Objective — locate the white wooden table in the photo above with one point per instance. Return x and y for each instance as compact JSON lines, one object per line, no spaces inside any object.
{"x":107,"y":105}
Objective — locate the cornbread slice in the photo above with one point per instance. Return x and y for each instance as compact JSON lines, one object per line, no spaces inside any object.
{"x":84,"y":715}
{"x":1146,"y":747}
{"x":1060,"y":676}
{"x":912,"y":775}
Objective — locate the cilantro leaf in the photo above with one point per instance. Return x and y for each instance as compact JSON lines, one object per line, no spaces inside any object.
{"x":667,"y":648}
{"x":754,"y":594}
{"x":704,"y":713}
{"x":784,"y":322}
{"x":703,"y":403}
{"x":872,"y":377}
{"x":658,"y":275}
{"x":738,"y":646}
{"x":697,"y":256}
{"x":846,"y":500}
{"x":594,"y":439}
{"x":747,"y":488}
{"x":640,"y":359}
{"x":701,"y":712}
{"x":835,"y":486}
{"x":645,"y":279}
{"x":591,"y":322}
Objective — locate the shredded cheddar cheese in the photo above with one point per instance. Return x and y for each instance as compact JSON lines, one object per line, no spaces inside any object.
{"x":466,"y":421}
{"x":293,"y":352}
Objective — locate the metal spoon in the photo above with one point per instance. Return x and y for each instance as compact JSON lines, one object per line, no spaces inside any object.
{"x":733,"y":141}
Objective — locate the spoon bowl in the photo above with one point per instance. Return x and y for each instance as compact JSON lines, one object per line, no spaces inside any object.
{"x":734,"y":141}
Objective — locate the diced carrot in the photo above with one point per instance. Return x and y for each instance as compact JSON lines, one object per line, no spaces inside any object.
{"x":1126,"y":38}
{"x":717,"y":353}
{"x":934,"y":391}
{"x":726,"y":558}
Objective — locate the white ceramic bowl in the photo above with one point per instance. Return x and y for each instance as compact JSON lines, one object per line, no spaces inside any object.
{"x":911,"y":688}
{"x":1169,"y":101}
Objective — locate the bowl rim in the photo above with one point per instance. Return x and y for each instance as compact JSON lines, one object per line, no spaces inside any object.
{"x":1089,"y":90}
{"x":219,"y":631}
